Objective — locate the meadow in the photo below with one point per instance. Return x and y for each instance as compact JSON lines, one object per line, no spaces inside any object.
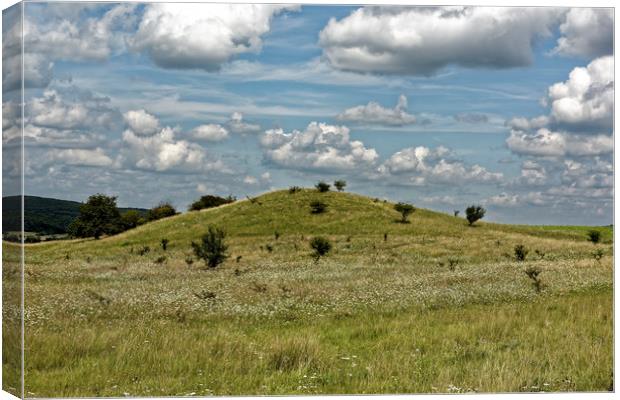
{"x":431,"y":306}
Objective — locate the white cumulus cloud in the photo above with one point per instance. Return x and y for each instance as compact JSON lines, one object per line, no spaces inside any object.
{"x":587,"y":97}
{"x":424,"y":165}
{"x":202,"y":35}
{"x":210,"y":132}
{"x":141,"y":122}
{"x":587,"y":32}
{"x":82,"y":157}
{"x":320,"y":146}
{"x":422,"y":40}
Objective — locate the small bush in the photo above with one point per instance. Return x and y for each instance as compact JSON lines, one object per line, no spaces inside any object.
{"x":598,"y":254}
{"x":144,"y":250}
{"x":456,"y":213}
{"x":317,"y":207}
{"x":189,"y":260}
{"x":276,"y":235}
{"x":254,"y":200}
{"x":160,"y":260}
{"x":205,"y":295}
{"x":210,"y":201}
{"x":520,"y":252}
{"x":404,"y":209}
{"x":164,"y":244}
{"x":385,"y":237}
{"x":294,"y":189}
{"x":211,"y":248}
{"x":321,"y":246}
{"x":340,"y":185}
{"x":453,"y":262}
{"x":162,"y":210}
{"x":322,"y":187}
{"x":534,"y":274}
{"x":474,"y":213}
{"x":594,"y":236}
{"x":269,"y":248}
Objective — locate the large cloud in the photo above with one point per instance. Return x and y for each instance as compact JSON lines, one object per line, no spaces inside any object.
{"x":375,"y":114}
{"x":422,"y":40}
{"x":201,"y":35}
{"x":587,"y":32}
{"x":586,"y":99}
{"x":421,"y":165}
{"x":59,"y":36}
{"x":580,"y":119}
{"x":320,"y":146}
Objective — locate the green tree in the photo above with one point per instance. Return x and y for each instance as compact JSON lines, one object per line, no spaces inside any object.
{"x":322,"y":187}
{"x":404,"y":209}
{"x":474,"y":213}
{"x":212,"y":248}
{"x":340,"y":185}
{"x":98,"y":216}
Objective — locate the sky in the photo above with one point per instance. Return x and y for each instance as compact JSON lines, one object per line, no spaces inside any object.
{"x":442,"y":107}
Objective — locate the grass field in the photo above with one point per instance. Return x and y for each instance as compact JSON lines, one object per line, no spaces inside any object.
{"x":437,"y":306}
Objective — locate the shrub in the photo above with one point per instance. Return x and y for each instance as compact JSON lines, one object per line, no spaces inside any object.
{"x":340,"y":185}
{"x":318,"y":207}
{"x":534,"y":274}
{"x":162,"y":210}
{"x":294,"y":189}
{"x":594,"y":236}
{"x":520,"y":252}
{"x":321,"y":246}
{"x":276,"y":235}
{"x":322,"y":187}
{"x":404,"y":209}
{"x":131,"y":219}
{"x":474,"y":213}
{"x":385,"y":237}
{"x":211,"y":248}
{"x":210,"y":201}
{"x":32,"y":239}
{"x":453,"y":262}
{"x":598,"y":254}
{"x":164,"y":244}
{"x":456,"y":213}
{"x":160,"y":260}
{"x":269,"y":247}
{"x":189,"y":260}
{"x":144,"y":250}
{"x":254,"y":200}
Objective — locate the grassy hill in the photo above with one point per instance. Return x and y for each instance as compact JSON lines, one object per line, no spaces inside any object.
{"x":43,"y":215}
{"x":438,"y":306}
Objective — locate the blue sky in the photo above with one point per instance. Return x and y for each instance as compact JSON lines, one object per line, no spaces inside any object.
{"x":441,"y":107}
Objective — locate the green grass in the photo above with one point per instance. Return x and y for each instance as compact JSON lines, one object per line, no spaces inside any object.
{"x":438,"y":307}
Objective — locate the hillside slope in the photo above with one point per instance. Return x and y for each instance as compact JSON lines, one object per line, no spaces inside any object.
{"x":348,"y":216}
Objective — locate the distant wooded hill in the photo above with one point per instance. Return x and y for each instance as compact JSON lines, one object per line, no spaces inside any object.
{"x":42,"y":215}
